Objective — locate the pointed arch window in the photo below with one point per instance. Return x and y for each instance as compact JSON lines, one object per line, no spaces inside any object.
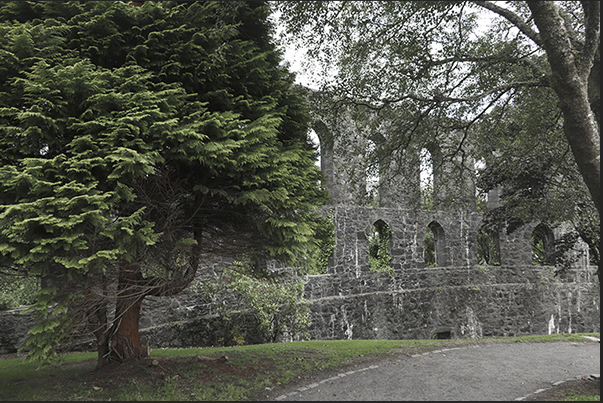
{"x":543,"y":246}
{"x":488,"y":247}
{"x":379,"y":247}
{"x":434,"y":245}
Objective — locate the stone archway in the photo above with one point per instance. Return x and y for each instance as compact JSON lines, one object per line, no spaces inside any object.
{"x":488,"y":247}
{"x":543,"y":246}
{"x":435,"y":255}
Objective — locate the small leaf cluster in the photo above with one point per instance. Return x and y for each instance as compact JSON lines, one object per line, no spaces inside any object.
{"x":16,"y":292}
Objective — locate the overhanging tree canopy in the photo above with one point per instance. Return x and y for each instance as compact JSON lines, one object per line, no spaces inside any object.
{"x":432,"y":69}
{"x":135,"y":140}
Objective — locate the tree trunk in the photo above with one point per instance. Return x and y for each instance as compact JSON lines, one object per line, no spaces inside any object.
{"x":579,"y":123}
{"x":125,"y":341}
{"x":97,"y":322}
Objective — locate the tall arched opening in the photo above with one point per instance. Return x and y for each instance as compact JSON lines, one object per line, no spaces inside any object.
{"x":543,"y":246}
{"x":379,"y":247}
{"x":488,"y":247}
{"x":434,"y":245}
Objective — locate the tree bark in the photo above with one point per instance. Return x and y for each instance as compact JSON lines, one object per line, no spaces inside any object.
{"x":97,"y":322}
{"x":579,"y":124}
{"x":125,"y":342}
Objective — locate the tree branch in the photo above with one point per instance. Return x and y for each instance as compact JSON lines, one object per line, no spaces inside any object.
{"x":512,"y":18}
{"x":442,"y":98}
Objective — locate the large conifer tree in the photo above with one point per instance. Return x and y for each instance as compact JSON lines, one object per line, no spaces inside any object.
{"x":135,"y":140}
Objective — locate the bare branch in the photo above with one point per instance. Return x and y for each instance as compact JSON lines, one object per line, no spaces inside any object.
{"x":442,"y":98}
{"x":512,"y":18}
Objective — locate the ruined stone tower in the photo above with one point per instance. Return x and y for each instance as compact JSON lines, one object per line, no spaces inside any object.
{"x":455,"y":295}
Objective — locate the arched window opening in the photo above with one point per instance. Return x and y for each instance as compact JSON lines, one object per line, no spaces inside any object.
{"x":429,"y":248}
{"x":379,"y":248}
{"x":316,"y":141}
{"x":543,"y":246}
{"x":434,"y":246}
{"x":426,"y":169}
{"x":488,"y":248}
{"x":481,"y":196}
{"x":372,"y":174}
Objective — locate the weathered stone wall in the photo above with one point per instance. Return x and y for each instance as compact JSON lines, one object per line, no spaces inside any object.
{"x":420,"y":303}
{"x":457,"y":301}
{"x":352,"y":225}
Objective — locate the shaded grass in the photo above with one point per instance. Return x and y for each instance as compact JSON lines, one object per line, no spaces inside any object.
{"x":250,"y":372}
{"x":582,"y":398}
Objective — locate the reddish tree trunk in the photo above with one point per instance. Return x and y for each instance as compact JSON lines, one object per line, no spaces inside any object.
{"x":125,"y":342}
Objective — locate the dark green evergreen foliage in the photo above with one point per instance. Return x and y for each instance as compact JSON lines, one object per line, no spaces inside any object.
{"x":135,"y":138}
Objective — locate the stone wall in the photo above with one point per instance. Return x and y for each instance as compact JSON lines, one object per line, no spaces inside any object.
{"x":459,"y":300}
{"x":14,"y":325}
{"x":455,"y":302}
{"x":418,"y":303}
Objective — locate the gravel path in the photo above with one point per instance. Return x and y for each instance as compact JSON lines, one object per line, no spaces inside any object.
{"x":484,"y":372}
